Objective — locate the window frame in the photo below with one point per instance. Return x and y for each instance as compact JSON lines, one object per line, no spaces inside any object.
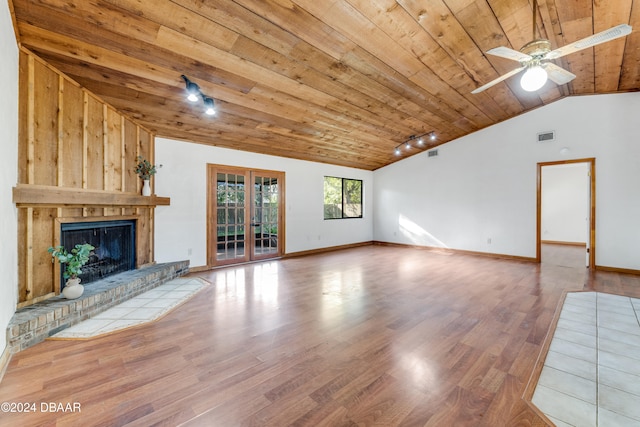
{"x":343,"y":201}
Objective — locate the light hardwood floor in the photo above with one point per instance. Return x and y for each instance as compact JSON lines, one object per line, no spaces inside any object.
{"x":368,"y":336}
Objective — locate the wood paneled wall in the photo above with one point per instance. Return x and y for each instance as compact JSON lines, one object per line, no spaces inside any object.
{"x":71,"y":142}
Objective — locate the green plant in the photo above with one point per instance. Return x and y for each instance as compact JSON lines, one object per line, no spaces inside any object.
{"x":144,"y":168}
{"x":73,"y":260}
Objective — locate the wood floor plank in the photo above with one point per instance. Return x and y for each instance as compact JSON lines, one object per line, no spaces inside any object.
{"x":367,"y":336}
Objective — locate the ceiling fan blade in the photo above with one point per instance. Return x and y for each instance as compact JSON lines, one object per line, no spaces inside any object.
{"x":604,"y":36}
{"x":509,"y":53}
{"x":498,"y":80}
{"x":558,"y":75}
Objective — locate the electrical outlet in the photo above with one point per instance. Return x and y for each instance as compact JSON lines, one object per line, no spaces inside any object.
{"x":189,"y":251}
{"x":489,"y":240}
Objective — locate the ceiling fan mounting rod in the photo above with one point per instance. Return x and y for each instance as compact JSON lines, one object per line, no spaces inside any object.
{"x":535,"y":15}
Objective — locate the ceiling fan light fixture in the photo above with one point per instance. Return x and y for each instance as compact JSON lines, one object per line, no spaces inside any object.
{"x":534,"y":57}
{"x":534,"y":78}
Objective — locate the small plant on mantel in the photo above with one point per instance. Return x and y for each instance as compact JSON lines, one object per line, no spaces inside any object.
{"x":145,"y":169}
{"x":73,"y":260}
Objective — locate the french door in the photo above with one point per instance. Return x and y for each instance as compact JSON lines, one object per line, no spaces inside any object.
{"x":245,"y":215}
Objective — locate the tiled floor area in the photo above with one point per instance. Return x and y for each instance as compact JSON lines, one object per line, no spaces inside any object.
{"x":591,"y":375}
{"x":145,"y":307}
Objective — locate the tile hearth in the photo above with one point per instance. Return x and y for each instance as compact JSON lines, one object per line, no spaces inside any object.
{"x":146,"y":307}
{"x":33,"y":324}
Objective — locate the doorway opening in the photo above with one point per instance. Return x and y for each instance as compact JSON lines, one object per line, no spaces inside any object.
{"x":566,"y":208}
{"x":245,"y":215}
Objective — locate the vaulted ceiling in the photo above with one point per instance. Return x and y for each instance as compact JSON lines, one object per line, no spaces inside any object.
{"x":334,"y":81}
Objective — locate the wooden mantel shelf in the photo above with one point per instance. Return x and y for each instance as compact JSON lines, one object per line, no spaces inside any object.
{"x":28,"y":195}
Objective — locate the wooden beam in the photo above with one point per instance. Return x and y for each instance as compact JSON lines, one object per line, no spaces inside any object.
{"x":25,"y":195}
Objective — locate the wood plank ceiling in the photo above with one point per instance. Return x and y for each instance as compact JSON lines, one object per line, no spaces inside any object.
{"x":335,"y":81}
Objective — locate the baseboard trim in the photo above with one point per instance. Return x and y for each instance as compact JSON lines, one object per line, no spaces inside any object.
{"x":199,"y":269}
{"x":4,"y":361}
{"x":450,"y":251}
{"x":556,"y":242}
{"x":327,"y":249}
{"x":202,"y":268}
{"x":617,"y":270}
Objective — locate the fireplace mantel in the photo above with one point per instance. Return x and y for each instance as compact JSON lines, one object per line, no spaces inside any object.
{"x":29,"y":195}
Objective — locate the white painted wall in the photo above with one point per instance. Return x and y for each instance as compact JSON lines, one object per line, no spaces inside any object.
{"x":483,"y":186}
{"x":8,"y":171}
{"x":565,"y":203}
{"x":182,"y":226}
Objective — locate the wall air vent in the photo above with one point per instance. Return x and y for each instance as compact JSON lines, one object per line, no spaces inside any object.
{"x":547,"y":136}
{"x":432,"y":153}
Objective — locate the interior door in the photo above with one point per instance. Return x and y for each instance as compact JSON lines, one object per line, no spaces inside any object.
{"x":245,"y":215}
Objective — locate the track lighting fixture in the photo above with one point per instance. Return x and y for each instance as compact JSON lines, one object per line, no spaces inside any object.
{"x":419,"y":141}
{"x":194,"y":92}
{"x":208,"y":106}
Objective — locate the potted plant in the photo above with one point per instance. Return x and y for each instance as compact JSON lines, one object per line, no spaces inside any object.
{"x":145,"y":170}
{"x":73,"y":261}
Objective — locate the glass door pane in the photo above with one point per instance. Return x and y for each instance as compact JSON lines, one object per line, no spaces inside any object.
{"x":245,"y":215}
{"x":230,"y":218}
{"x":265,"y":215}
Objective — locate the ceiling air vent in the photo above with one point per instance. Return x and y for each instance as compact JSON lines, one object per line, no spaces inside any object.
{"x":547,"y":136}
{"x":432,"y":153}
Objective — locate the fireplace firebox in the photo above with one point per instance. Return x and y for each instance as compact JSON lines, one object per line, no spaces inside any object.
{"x":114,"y":242}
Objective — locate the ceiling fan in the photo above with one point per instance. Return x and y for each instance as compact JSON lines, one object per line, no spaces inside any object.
{"x":534,"y":57}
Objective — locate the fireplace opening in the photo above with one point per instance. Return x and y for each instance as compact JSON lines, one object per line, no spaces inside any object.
{"x":114,"y":243}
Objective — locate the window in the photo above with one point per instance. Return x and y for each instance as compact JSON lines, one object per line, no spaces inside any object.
{"x":342,"y":198}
